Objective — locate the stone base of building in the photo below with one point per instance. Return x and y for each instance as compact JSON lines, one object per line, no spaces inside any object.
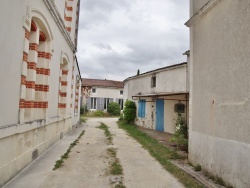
{"x":219,"y":157}
{"x":21,"y":144}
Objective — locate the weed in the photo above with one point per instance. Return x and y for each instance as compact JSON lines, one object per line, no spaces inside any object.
{"x":161,"y":153}
{"x":197,"y":168}
{"x":116,"y":168}
{"x":120,"y":185}
{"x":106,"y":132}
{"x":111,"y":152}
{"x":59,"y":162}
{"x":83,"y":119}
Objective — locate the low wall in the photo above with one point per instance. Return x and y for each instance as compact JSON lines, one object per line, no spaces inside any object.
{"x":21,"y":144}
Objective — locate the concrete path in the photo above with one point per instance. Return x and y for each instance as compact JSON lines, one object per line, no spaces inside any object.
{"x":88,"y":163}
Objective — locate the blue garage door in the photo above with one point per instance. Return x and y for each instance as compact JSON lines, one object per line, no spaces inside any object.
{"x":159,"y":115}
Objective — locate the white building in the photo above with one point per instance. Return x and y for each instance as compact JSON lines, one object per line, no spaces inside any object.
{"x":98,"y":93}
{"x":219,"y":89}
{"x":159,"y":96}
{"x":40,"y":80}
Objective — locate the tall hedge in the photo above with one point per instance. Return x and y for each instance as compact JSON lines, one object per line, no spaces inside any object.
{"x":129,"y":111}
{"x":114,"y":109}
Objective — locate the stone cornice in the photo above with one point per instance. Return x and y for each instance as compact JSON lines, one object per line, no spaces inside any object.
{"x":207,"y":7}
{"x":59,"y":21}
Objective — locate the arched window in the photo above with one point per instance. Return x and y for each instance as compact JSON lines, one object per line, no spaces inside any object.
{"x":35,"y":72}
{"x":63,"y":86}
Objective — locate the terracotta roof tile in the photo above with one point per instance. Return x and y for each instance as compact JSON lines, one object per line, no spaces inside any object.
{"x":103,"y":83}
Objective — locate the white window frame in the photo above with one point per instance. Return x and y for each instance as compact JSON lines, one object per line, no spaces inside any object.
{"x":93,"y":102}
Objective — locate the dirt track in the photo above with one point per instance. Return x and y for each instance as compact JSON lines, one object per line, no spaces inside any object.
{"x":88,"y":164}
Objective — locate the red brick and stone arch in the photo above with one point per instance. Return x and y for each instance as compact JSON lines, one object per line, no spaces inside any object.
{"x":63,"y":86}
{"x":35,"y":71}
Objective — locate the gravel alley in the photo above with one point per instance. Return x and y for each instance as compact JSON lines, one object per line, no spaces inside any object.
{"x":88,"y":163}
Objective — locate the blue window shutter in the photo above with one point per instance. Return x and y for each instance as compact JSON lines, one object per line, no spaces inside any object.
{"x":139,"y":109}
{"x":143,"y":108}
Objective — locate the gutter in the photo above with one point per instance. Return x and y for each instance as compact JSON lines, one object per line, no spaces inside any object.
{"x":78,"y":68}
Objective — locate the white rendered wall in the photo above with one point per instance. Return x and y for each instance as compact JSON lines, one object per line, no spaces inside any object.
{"x":113,"y":93}
{"x":167,"y":81}
{"x":19,"y":141}
{"x":219,"y":133}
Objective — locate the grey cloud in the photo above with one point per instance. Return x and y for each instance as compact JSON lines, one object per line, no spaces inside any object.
{"x":115,"y":40}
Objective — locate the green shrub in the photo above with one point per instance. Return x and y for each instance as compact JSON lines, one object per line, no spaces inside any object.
{"x":83,"y":110}
{"x":99,"y":113}
{"x":197,"y":167}
{"x":114,"y":109}
{"x":180,"y":136}
{"x":129,"y":111}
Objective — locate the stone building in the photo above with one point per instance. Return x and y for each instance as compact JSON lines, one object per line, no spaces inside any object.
{"x":96,"y":93}
{"x":40,"y":79}
{"x":159,"y":96}
{"x":219,"y":89}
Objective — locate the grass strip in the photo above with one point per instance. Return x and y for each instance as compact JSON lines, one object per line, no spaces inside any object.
{"x":115,"y":167}
{"x":106,"y":132}
{"x":161,"y":153}
{"x":83,"y":119}
{"x":60,"y":161}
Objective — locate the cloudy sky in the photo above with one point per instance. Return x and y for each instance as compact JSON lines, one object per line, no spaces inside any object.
{"x":118,"y":37}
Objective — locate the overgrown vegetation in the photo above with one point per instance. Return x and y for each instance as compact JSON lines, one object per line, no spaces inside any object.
{"x":98,"y":113}
{"x":83,"y":110}
{"x":83,"y":119}
{"x":106,"y":132}
{"x":129,"y":111}
{"x":218,"y":180}
{"x":114,"y":109}
{"x":180,"y":136}
{"x":197,"y":168}
{"x":66,"y":154}
{"x":115,"y":166}
{"x":161,"y":153}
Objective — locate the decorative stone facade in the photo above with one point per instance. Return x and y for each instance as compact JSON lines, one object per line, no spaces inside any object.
{"x":40,"y":72}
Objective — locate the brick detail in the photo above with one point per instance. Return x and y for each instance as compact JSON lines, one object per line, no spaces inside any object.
{"x":23,"y":80}
{"x":27,"y":34}
{"x":40,"y":87}
{"x":30,"y":84}
{"x":63,"y":94}
{"x":65,"y":72}
{"x":33,"y":46}
{"x":32,"y":104}
{"x":25,"y":56}
{"x":61,"y":105}
{"x":44,"y":55}
{"x":67,"y":18}
{"x":22,"y":103}
{"x":69,"y":8}
{"x":42,"y":71}
{"x":68,"y":28}
{"x":31,"y":65}
{"x":64,"y":83}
